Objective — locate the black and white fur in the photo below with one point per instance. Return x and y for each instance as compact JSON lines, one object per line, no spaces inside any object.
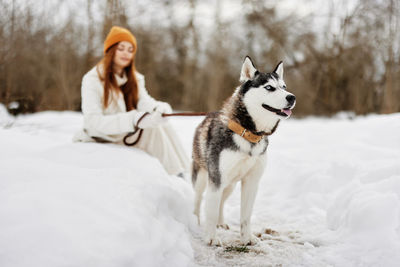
{"x":221,"y":158}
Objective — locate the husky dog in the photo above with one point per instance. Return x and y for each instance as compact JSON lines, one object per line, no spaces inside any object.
{"x":230,"y":146}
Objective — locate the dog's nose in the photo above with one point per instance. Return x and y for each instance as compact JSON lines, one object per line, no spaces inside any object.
{"x":291,"y":99}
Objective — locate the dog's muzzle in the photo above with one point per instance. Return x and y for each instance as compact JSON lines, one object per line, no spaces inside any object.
{"x":281,"y":112}
{"x":291,"y":99}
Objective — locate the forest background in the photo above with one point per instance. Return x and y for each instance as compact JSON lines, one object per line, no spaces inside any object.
{"x":338,"y":55}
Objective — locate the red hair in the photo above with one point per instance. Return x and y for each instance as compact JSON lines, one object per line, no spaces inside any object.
{"x":129,"y":89}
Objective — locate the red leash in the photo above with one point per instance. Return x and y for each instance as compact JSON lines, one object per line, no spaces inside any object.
{"x":164,"y":115}
{"x":185,"y":114}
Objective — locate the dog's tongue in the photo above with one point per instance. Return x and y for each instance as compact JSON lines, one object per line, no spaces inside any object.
{"x":287,"y":111}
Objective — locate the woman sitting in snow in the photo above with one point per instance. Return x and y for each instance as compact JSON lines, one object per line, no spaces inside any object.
{"x":114,"y":101}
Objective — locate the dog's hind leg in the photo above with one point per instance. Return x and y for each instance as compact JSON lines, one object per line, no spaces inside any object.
{"x":200,"y":183}
{"x":226,"y":193}
{"x":213,"y":199}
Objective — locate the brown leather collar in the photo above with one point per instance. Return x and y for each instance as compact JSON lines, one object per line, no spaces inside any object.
{"x":246,"y":134}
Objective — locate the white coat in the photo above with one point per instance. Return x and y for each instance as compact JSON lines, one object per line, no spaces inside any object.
{"x":114,"y":122}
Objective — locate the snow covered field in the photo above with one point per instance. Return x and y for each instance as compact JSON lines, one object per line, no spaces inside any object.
{"x":330,"y":197}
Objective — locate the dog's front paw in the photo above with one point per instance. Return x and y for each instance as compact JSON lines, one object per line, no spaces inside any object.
{"x":223,"y":226}
{"x":250,"y":240}
{"x":213,"y":241}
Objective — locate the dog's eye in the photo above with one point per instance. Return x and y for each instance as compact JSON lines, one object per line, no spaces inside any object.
{"x":269,"y":88}
{"x":284,"y":87}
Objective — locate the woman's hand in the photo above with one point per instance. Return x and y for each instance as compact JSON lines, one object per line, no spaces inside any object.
{"x":152,"y":120}
{"x":163,"y":107}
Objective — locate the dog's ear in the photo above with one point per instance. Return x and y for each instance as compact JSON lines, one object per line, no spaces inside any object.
{"x":248,"y":70}
{"x":279,"y":69}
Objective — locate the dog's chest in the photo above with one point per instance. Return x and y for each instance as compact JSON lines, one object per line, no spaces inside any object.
{"x":235,"y":164}
{"x":246,"y":147}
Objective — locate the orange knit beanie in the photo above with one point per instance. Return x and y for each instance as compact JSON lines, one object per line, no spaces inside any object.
{"x":118,"y":34}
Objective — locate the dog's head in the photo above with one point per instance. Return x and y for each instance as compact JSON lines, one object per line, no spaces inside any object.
{"x":264,"y":94}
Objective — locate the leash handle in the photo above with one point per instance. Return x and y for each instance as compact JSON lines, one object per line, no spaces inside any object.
{"x":136,"y":129}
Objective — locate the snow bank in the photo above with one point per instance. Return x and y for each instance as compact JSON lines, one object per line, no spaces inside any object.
{"x":367,"y":215}
{"x":65,"y":204}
